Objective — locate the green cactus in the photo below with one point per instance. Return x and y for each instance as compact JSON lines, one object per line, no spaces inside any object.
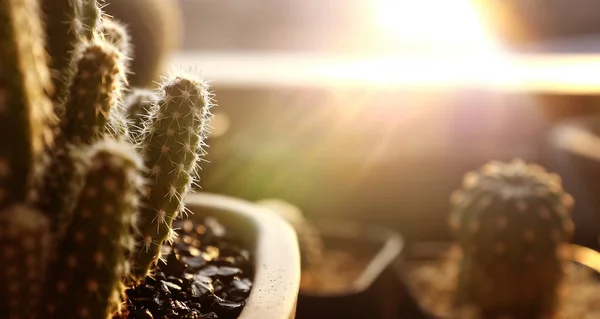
{"x":137,"y":105}
{"x":62,"y":33}
{"x":24,"y":247}
{"x":116,"y":34}
{"x":94,"y":91}
{"x":92,"y":259}
{"x":509,"y":220}
{"x":69,"y":175}
{"x":25,"y":109}
{"x":172,"y":144}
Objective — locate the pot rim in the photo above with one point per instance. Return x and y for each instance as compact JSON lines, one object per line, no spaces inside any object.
{"x":274,"y":249}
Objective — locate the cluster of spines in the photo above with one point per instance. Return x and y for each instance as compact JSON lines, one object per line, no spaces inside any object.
{"x":24,"y":247}
{"x":92,"y":259}
{"x":171,"y":146}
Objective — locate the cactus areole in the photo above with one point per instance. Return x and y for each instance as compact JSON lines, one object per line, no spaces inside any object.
{"x":89,"y":190}
{"x":509,"y":220}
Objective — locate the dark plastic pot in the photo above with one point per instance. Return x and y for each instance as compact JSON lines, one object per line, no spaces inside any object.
{"x":373,"y":294}
{"x":273,"y":245}
{"x":428,"y":251}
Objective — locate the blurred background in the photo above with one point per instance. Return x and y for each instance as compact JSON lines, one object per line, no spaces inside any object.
{"x":373,"y":110}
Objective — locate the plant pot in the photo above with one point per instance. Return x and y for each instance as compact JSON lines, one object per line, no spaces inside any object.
{"x":274,"y":248}
{"x":430,"y":251}
{"x":372,"y":293}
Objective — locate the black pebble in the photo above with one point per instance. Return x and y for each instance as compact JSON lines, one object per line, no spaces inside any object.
{"x":212,"y":283}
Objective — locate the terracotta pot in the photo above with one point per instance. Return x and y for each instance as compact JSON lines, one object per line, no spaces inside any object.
{"x":373,"y":294}
{"x":273,"y":245}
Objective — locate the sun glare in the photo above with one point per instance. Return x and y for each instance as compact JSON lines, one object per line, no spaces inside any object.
{"x":448,"y":24}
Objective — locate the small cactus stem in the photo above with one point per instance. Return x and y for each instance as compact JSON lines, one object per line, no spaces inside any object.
{"x":509,"y":220}
{"x":63,"y":28}
{"x":137,"y":105}
{"x":24,"y":245}
{"x":90,"y":15}
{"x":118,"y":126}
{"x":25,"y":110}
{"x":116,"y":34}
{"x":172,"y":144}
{"x":92,"y":256}
{"x":62,"y":181}
{"x":95,"y":89}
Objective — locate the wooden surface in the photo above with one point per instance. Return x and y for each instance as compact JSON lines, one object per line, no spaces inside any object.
{"x":560,"y":73}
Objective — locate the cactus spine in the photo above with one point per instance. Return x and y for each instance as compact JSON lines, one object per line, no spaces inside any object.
{"x":509,"y":220}
{"x":25,"y":110}
{"x":92,"y":259}
{"x":171,"y":145}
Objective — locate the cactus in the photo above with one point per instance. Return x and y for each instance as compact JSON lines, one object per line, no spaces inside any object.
{"x":24,"y":246}
{"x":172,"y":143}
{"x":25,"y":109}
{"x":509,"y":220}
{"x":69,"y":175}
{"x":116,"y":34}
{"x":92,"y":259}
{"x":94,"y":91}
{"x":137,"y":105}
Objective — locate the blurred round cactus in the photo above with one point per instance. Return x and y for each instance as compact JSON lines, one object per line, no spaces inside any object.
{"x":510,"y":220}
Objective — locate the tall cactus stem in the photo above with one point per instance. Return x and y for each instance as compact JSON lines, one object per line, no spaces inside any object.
{"x":24,"y":247}
{"x":92,"y":257}
{"x":25,"y":110}
{"x":172,"y":144}
{"x":95,"y":90}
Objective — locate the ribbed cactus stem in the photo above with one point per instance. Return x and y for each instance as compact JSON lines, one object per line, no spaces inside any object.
{"x":510,"y":219}
{"x":95,"y":89}
{"x":91,"y":261}
{"x":172,"y":144}
{"x":63,"y":28}
{"x":24,"y":247}
{"x":25,"y":110}
{"x":116,"y":34}
{"x":90,"y":15}
{"x":137,"y":105}
{"x":61,"y":184}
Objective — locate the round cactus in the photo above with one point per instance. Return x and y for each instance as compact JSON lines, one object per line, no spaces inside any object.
{"x":509,"y":220}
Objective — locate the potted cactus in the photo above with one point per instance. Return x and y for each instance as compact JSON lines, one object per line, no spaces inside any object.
{"x":511,"y":258}
{"x":94,"y":177}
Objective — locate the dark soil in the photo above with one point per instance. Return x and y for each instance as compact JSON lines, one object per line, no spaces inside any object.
{"x":435,"y":281}
{"x":207,"y":275}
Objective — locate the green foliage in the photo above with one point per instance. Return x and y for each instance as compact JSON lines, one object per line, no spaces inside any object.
{"x":70,"y":176}
{"x":509,"y":220}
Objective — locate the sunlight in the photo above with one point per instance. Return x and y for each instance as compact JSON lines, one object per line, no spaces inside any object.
{"x":449,"y":24}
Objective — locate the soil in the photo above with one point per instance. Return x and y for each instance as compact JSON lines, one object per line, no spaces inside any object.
{"x":204,"y":274}
{"x":335,"y":273}
{"x":435,"y":281}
